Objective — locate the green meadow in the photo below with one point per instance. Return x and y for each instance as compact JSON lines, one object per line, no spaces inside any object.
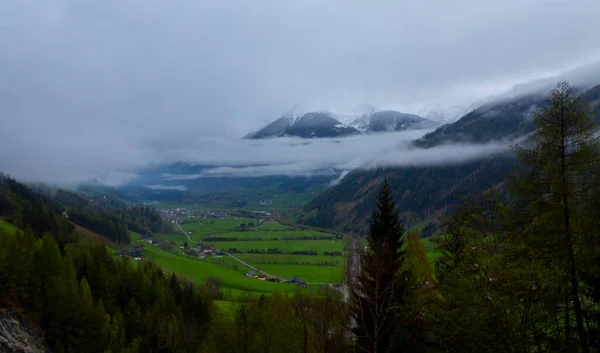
{"x":308,"y":273}
{"x":8,"y":227}
{"x":286,"y":246}
{"x":275,"y":234}
{"x":198,"y":271}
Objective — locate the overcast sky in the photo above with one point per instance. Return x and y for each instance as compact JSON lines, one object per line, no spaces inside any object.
{"x":81,"y":81}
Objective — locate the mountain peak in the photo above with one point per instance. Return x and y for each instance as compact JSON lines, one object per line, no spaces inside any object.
{"x":363,"y":119}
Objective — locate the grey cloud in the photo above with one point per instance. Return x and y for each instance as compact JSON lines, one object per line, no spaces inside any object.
{"x":321,"y":157}
{"x":97,"y":90}
{"x":447,"y":154}
{"x":167,"y":187}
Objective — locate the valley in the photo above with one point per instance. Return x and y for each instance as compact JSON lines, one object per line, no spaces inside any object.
{"x":231,"y":249}
{"x":300,"y":177}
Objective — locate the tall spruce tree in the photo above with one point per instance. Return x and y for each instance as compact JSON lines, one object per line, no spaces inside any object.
{"x":378,"y":290}
{"x":558,"y":167}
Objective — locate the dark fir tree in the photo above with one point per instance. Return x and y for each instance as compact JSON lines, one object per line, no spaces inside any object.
{"x":559,"y":163}
{"x":379,"y":288}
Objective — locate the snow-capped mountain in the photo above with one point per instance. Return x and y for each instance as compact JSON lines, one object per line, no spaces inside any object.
{"x":318,"y":124}
{"x":307,"y":125}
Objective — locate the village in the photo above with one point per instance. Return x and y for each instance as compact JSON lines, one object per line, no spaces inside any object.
{"x":179,"y":215}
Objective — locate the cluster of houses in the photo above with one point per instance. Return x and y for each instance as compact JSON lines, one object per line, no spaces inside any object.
{"x":148,"y":240}
{"x":253,"y":274}
{"x":134,"y":253}
{"x":262,"y":277}
{"x":179,"y":214}
{"x":200,"y":250}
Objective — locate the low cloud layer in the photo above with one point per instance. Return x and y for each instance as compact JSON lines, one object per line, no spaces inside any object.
{"x":167,"y":187}
{"x":98,"y":90}
{"x":234,"y":158}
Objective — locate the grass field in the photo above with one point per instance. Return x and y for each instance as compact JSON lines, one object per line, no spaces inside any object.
{"x":308,"y":273}
{"x":271,"y":226}
{"x":289,"y":259}
{"x":199,"y":271}
{"x":178,"y":238}
{"x":272,"y":234}
{"x":305,"y":266}
{"x":8,"y":227}
{"x":211,"y":225}
{"x":204,"y":227}
{"x":320,"y":246}
{"x":317,"y":269}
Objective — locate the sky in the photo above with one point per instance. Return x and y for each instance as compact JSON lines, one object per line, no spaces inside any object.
{"x":102,"y":88}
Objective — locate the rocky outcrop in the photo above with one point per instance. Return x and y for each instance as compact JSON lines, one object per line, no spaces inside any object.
{"x":17,"y":335}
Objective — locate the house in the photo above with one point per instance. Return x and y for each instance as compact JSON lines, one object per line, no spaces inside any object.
{"x":135,"y":254}
{"x":298,"y":281}
{"x":155,"y":242}
{"x":252,"y":274}
{"x":138,"y":247}
{"x":208,"y":252}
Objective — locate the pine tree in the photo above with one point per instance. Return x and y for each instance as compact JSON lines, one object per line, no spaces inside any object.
{"x":558,"y":166}
{"x":378,"y":291}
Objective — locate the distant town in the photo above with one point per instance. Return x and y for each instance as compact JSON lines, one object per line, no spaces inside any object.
{"x":179,"y":215}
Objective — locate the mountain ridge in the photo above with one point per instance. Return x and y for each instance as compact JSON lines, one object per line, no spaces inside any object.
{"x":429,"y":193}
{"x":323,"y":124}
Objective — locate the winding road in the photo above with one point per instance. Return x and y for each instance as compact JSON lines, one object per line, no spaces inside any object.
{"x":184,"y":232}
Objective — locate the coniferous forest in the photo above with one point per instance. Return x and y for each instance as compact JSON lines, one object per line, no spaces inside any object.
{"x":518,"y":271}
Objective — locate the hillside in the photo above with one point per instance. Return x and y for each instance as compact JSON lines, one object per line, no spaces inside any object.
{"x":421,"y":192}
{"x":391,"y":120}
{"x":431,"y":192}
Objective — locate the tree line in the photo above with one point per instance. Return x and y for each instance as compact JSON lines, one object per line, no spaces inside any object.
{"x":304,"y":237}
{"x":518,"y":270}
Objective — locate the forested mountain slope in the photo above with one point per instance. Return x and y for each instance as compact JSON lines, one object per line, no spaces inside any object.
{"x":428,"y":192}
{"x":44,"y":208}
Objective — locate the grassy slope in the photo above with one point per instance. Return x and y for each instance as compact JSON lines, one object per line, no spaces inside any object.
{"x":430,"y":250}
{"x":198,"y":271}
{"x":8,"y":227}
{"x":226,"y":308}
{"x":95,"y":238}
{"x":417,"y":227}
